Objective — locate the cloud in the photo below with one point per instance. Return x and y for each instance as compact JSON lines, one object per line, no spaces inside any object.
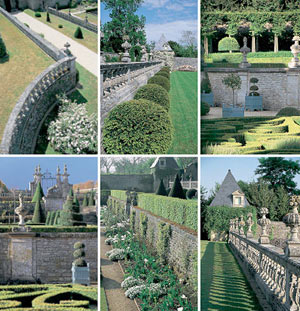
{"x":172,"y":30}
{"x":155,"y":3}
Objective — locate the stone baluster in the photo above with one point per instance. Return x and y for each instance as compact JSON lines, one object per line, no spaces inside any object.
{"x":242,"y":225}
{"x":292,"y":220}
{"x":236,"y":221}
{"x":249,"y":222}
{"x":231,"y":224}
{"x":263,"y":222}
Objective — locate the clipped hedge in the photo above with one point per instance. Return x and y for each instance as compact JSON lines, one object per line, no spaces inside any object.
{"x":154,"y":93}
{"x":137,"y":127}
{"x":162,"y":81}
{"x":163,"y":74}
{"x":119,"y":194}
{"x":104,"y":196}
{"x":45,"y":228}
{"x":288,"y":111}
{"x":216,"y":218}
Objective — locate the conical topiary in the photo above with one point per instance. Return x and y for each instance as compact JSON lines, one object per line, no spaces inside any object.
{"x":39,"y":193}
{"x":91,"y":199}
{"x":69,"y":216}
{"x":85,"y":200}
{"x":71,"y":192}
{"x":52,"y":218}
{"x":39,"y":213}
{"x":79,"y":255}
{"x":161,"y":190}
{"x":177,"y":190}
{"x":48,"y":18}
{"x":47,"y":219}
{"x":78,"y":33}
{"x":56,"y":219}
{"x":76,"y":202}
{"x":3,"y":52}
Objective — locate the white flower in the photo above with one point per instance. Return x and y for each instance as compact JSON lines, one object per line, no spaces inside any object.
{"x":180,"y":309}
{"x":146,"y":260}
{"x":183,"y":296}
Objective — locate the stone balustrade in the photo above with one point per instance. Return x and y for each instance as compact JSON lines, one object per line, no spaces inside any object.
{"x":119,"y":81}
{"x":34,"y":105}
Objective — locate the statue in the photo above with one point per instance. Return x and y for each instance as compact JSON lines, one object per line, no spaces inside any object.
{"x":21,"y":211}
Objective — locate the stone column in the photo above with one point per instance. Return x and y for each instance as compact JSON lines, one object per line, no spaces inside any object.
{"x":292,"y":220}
{"x":263,"y":222}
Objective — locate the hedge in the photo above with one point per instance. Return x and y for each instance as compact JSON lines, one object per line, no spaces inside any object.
{"x":182,"y":212}
{"x":104,"y":196}
{"x":42,"y":228}
{"x":216,"y":218}
{"x":162,"y":81}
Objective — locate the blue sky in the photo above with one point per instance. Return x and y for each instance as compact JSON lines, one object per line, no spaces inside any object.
{"x":170,"y":17}
{"x":214,"y":169}
{"x":17,"y":172}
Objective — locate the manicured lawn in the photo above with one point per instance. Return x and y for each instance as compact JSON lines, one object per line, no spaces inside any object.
{"x":252,"y":135}
{"x":26,"y":61}
{"x":184,"y":112}
{"x":90,"y":38}
{"x":103,"y":303}
{"x":92,"y":18}
{"x":87,"y":93}
{"x":223,"y":285}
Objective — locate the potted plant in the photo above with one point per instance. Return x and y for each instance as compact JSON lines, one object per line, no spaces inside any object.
{"x":206,"y":94}
{"x":253,"y":101}
{"x":234,"y":82}
{"x":80,"y":268}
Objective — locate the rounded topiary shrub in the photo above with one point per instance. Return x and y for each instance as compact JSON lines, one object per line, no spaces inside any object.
{"x":166,"y":68}
{"x":79,"y":255}
{"x":204,"y":108}
{"x":78,"y":33}
{"x":163,"y":74}
{"x":160,"y":80}
{"x":3,"y":52}
{"x":60,"y":26}
{"x":228,"y":44}
{"x":37,"y":14}
{"x":154,"y":93}
{"x":288,"y":111}
{"x":137,"y":127}
{"x":191,"y":193}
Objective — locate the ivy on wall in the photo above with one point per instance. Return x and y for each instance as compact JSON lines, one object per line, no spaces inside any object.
{"x":143,"y":225}
{"x":162,"y":244}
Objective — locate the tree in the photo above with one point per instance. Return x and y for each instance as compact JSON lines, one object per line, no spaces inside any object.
{"x":39,"y":213}
{"x":177,"y":190}
{"x":3,"y":52}
{"x":48,"y":18}
{"x":184,"y":162}
{"x":78,"y":33}
{"x":124,"y":21}
{"x":85,"y":201}
{"x":234,"y":82}
{"x":106,"y":164}
{"x":161,"y":190}
{"x":277,"y":171}
{"x":68,"y":215}
{"x":228,"y":44}
{"x":91,"y":199}
{"x":188,"y":38}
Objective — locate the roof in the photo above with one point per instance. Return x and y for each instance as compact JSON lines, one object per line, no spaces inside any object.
{"x":162,"y":44}
{"x":170,"y":162}
{"x":227,"y":188}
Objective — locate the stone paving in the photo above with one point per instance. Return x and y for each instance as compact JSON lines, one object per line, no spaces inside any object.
{"x":85,"y":57}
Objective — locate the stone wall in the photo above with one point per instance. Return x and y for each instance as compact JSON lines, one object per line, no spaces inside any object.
{"x":181,"y":61}
{"x":48,"y":256}
{"x":34,"y":4}
{"x":45,"y":45}
{"x":142,"y":182}
{"x":182,"y":244}
{"x":74,"y":19}
{"x":39,"y":98}
{"x":279,"y":87}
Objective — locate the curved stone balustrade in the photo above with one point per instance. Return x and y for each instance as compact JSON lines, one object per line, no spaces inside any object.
{"x":35,"y":103}
{"x":276,"y":275}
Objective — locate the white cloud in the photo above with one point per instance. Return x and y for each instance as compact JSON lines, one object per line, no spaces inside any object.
{"x":172,"y":30}
{"x":155,"y":3}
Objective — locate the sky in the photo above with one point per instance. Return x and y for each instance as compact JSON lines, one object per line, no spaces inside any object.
{"x":168,"y":17}
{"x":17,"y":172}
{"x":214,"y":169}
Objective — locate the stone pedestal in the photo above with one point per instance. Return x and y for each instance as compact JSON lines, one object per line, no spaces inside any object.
{"x":240,"y":94}
{"x":264,"y":240}
{"x":292,"y":250}
{"x":21,"y":254}
{"x":292,"y":88}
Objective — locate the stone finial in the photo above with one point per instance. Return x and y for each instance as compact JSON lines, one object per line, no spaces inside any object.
{"x":249,"y":223}
{"x":231,"y":225}
{"x":292,"y":220}
{"x":245,"y":50}
{"x":67,"y":50}
{"x":241,"y":225}
{"x":126,"y":46}
{"x":295,"y":48}
{"x":263,"y":222}
{"x":236,"y":221}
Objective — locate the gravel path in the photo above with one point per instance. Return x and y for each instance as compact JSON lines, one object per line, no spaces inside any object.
{"x":84,"y":56}
{"x":111,"y":282}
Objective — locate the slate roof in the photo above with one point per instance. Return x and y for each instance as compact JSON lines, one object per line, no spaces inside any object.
{"x":170,"y":162}
{"x":224,"y":195}
{"x":159,"y":46}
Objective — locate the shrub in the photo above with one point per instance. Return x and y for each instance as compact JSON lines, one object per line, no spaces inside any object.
{"x":69,"y":216}
{"x":161,"y":190}
{"x":205,"y":84}
{"x":204,"y":108}
{"x":60,"y":26}
{"x":287,"y":112}
{"x":228,"y":44}
{"x":253,"y":88}
{"x":79,"y":255}
{"x":163,"y":74}
{"x":130,"y":282}
{"x":166,"y":68}
{"x":48,"y":18}
{"x":137,"y":127}
{"x":154,"y":93}
{"x":73,"y":131}
{"x":116,"y":254}
{"x":160,"y":80}
{"x":104,"y":196}
{"x":37,"y":14}
{"x":191,"y":193}
{"x":135,"y":53}
{"x":176,"y":190}
{"x":39,"y":213}
{"x":78,"y":33}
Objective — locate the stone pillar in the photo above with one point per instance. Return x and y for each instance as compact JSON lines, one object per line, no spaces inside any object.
{"x":263,"y":222}
{"x":22,"y":251}
{"x":292,"y":87}
{"x":126,"y":46}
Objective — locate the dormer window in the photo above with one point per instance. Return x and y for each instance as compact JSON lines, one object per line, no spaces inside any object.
{"x":162,"y":163}
{"x":238,"y":199}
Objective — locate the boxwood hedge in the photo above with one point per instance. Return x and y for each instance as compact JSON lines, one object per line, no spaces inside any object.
{"x":160,"y":80}
{"x":137,"y":127}
{"x":163,"y":74}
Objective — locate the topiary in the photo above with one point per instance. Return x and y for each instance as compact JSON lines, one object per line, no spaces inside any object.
{"x":85,"y":201}
{"x":161,"y":190}
{"x":177,"y":190}
{"x":60,"y":26}
{"x":163,"y":74}
{"x":253,"y":88}
{"x":205,"y":84}
{"x":78,"y":33}
{"x":137,"y":127}
{"x":204,"y":108}
{"x":68,"y":215}
{"x":3,"y":52}
{"x":79,"y":255}
{"x":288,"y":112}
{"x":191,"y":193}
{"x":228,"y":44}
{"x":154,"y":93}
{"x":160,"y":80}
{"x":37,"y":14}
{"x":48,"y":18}
{"x":39,"y":213}
{"x":91,"y":199}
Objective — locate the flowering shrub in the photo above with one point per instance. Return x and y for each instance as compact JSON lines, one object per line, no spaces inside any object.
{"x":130,"y":282}
{"x":74,"y":131}
{"x":116,"y":254}
{"x":134,"y":291}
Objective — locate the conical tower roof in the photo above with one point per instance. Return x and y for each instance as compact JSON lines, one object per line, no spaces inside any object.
{"x":162,"y":44}
{"x":224,"y":195}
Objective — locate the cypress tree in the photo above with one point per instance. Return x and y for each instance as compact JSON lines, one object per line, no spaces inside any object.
{"x":39,"y":213}
{"x":177,"y":190}
{"x":47,"y":219}
{"x":3,"y":52}
{"x":71,"y":192}
{"x":78,"y":33}
{"x":85,"y":200}
{"x":48,"y":18}
{"x":161,"y":190}
{"x":76,"y":202}
{"x":91,"y":199}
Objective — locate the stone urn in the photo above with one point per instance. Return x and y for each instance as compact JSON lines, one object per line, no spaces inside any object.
{"x":126,"y":46}
{"x":263,"y":222}
{"x":21,"y":211}
{"x":295,"y":49}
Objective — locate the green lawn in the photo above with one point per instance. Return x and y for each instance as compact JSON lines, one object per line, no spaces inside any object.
{"x":90,"y":38}
{"x":87,"y":93}
{"x":26,"y":61}
{"x":103,"y":303}
{"x":184,"y":112}
{"x":92,"y":18}
{"x":223,"y":285}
